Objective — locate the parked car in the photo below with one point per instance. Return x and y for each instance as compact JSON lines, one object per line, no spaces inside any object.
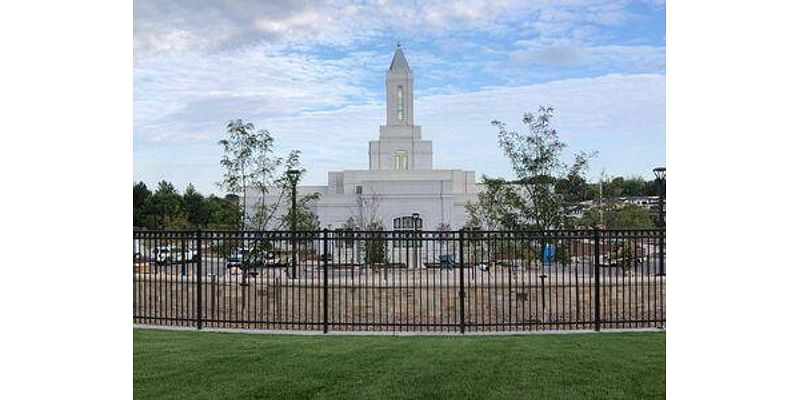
{"x":137,"y":254}
{"x":172,"y":254}
{"x":236,"y":258}
{"x":250,"y":258}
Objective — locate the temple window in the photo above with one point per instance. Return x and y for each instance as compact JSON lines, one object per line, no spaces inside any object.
{"x":400,"y":108}
{"x":400,"y":159}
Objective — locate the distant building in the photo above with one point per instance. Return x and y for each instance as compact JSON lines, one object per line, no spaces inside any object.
{"x":648,"y":202}
{"x":578,"y":211}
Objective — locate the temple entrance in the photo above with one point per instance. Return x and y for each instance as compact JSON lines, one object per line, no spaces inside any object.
{"x":406,"y":245}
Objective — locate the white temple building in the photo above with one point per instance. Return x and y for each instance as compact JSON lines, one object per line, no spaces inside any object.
{"x":400,"y":182}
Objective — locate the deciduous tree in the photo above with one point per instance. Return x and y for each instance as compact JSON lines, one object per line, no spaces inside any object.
{"x":250,"y":163}
{"x":531,"y":201}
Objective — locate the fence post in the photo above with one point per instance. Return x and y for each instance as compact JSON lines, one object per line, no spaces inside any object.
{"x":325,"y":280}
{"x":461,"y":277}
{"x":596,"y":279}
{"x":661,"y":238}
{"x":199,"y":278}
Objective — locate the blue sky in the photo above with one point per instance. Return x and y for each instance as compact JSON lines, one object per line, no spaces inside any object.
{"x":313,"y":74}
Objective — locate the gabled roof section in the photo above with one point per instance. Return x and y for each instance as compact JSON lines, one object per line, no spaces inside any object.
{"x":399,"y":63}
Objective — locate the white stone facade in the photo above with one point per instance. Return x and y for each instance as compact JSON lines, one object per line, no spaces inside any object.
{"x":400,"y":180}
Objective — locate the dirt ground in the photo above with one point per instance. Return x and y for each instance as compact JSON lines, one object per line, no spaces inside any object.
{"x":504,"y":300}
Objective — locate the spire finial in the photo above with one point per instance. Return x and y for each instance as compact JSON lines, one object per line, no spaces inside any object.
{"x":398,"y":45}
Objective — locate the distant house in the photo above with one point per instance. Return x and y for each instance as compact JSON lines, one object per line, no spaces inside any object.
{"x":648,"y":202}
{"x":579,"y":210}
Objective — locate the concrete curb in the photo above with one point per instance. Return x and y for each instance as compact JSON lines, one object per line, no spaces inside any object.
{"x":376,"y":333}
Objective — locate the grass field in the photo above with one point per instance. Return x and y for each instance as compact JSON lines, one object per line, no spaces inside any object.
{"x":205,"y":365}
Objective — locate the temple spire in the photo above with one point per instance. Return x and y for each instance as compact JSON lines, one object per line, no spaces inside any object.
{"x":399,"y":91}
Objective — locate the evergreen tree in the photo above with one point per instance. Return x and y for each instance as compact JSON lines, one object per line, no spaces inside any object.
{"x":141,"y":198}
{"x":167,"y":206}
{"x":195,"y":207}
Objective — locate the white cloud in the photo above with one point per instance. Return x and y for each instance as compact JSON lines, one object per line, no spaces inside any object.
{"x":264,"y":81}
{"x":576,"y":54}
{"x":212,"y":25}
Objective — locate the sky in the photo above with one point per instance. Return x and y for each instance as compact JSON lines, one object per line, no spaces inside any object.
{"x":312,"y":73}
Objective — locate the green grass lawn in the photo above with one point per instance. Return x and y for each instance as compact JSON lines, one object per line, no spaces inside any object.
{"x":205,"y":365}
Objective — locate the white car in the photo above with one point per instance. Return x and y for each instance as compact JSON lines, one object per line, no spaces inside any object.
{"x":171,"y":254}
{"x":137,"y":254}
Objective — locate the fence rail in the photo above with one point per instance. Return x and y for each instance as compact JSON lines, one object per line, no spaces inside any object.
{"x":454,"y":281}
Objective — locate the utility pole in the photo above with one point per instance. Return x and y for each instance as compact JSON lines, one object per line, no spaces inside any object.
{"x":602,"y":216}
{"x":244,"y":200}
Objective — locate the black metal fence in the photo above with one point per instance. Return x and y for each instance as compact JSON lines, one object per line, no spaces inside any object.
{"x":458,"y":281}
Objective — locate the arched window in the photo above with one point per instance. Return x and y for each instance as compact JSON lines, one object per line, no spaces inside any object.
{"x":400,"y":159}
{"x":400,"y":108}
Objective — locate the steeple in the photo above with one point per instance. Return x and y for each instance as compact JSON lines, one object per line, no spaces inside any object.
{"x":400,"y":145}
{"x":399,"y":91}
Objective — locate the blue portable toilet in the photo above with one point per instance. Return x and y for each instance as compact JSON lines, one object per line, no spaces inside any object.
{"x":547,"y":254}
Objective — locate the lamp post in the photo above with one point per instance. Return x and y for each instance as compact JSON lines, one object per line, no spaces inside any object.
{"x":417,"y":221}
{"x":294,"y":176}
{"x":661,"y":177}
